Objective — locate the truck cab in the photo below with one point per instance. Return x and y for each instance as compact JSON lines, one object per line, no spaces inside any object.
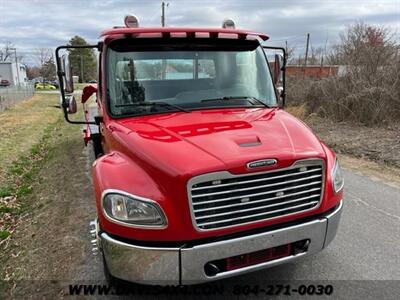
{"x":200,"y":173}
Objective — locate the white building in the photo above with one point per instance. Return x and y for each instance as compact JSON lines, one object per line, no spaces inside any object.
{"x":13,"y":72}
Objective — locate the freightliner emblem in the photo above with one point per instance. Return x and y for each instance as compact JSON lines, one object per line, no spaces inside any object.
{"x":261,"y":163}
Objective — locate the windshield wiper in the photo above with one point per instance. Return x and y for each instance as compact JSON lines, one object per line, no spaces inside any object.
{"x":159,"y":103}
{"x":226,"y":98}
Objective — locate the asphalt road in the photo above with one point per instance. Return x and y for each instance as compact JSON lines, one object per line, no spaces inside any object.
{"x":362,"y":262}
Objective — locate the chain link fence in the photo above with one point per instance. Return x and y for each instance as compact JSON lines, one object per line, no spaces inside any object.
{"x":9,"y":96}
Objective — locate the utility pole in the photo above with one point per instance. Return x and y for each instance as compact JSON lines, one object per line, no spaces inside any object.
{"x":307,"y":45}
{"x":163,"y":62}
{"x":286,"y":50}
{"x":163,"y":5}
{"x":16,"y":64}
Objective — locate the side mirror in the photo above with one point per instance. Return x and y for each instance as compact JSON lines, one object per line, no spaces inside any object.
{"x":64,"y":73}
{"x":278,"y":64}
{"x":67,"y":77}
{"x":71,"y":102}
{"x":281,"y":96}
{"x":279,"y":72}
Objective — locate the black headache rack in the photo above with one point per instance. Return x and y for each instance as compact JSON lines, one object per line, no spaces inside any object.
{"x":61,"y":74}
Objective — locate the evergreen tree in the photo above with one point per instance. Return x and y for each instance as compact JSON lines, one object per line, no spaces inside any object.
{"x":48,"y":70}
{"x":83,"y":61}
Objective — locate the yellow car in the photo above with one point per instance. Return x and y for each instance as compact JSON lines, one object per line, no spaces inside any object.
{"x":45,"y":86}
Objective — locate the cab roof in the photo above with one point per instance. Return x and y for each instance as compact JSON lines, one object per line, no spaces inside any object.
{"x":192,"y":32}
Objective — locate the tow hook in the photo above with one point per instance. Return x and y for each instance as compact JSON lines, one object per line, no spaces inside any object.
{"x":301,"y":246}
{"x":93,"y":237}
{"x":211,"y":269}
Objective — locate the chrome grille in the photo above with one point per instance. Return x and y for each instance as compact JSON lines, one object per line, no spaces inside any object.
{"x":220,"y":200}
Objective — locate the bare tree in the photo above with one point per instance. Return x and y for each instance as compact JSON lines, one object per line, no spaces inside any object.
{"x":32,"y":72}
{"x":368,"y":91}
{"x":6,"y":51}
{"x":290,"y":51}
{"x":43,"y":55}
{"x":365,"y":48}
{"x":315,"y":57}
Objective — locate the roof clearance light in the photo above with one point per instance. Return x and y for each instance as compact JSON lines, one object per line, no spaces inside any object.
{"x":131,"y":21}
{"x":228,"y":24}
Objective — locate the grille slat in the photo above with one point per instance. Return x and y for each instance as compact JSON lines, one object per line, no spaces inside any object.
{"x":254,"y":180}
{"x":251,"y":203}
{"x":256,"y":187}
{"x":232,"y":212}
{"x":260,"y":214}
{"x":260,"y":194}
{"x":255,"y":197}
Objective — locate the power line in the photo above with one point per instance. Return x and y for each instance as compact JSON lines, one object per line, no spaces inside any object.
{"x":289,"y":38}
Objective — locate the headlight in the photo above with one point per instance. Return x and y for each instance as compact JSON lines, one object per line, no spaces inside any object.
{"x":337,"y":177}
{"x":132,"y":210}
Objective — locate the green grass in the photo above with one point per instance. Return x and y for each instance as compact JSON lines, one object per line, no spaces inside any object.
{"x":25,"y":131}
{"x":29,"y":132}
{"x":4,"y":234}
{"x":35,"y":150}
{"x":5,"y":209}
{"x":5,"y":191}
{"x":22,"y":126}
{"x":22,"y":172}
{"x":40,"y":177}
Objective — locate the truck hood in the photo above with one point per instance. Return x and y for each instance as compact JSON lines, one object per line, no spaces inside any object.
{"x":213,"y":140}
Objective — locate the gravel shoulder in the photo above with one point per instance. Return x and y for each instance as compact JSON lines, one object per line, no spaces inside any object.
{"x":380,"y":144}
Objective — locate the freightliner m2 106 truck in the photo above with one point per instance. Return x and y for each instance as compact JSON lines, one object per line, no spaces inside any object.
{"x":200,"y":174}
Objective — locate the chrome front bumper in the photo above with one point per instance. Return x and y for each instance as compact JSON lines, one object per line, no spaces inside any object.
{"x":185,"y":265}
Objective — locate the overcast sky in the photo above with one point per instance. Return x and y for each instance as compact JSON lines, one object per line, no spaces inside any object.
{"x":31,"y":24}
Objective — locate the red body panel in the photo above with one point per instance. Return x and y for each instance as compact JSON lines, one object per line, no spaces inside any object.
{"x":155,"y":156}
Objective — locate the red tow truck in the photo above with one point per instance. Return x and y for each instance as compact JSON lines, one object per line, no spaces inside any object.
{"x":200,"y":173}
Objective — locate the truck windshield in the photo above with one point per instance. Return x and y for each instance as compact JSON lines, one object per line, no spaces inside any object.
{"x":156,"y":76}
